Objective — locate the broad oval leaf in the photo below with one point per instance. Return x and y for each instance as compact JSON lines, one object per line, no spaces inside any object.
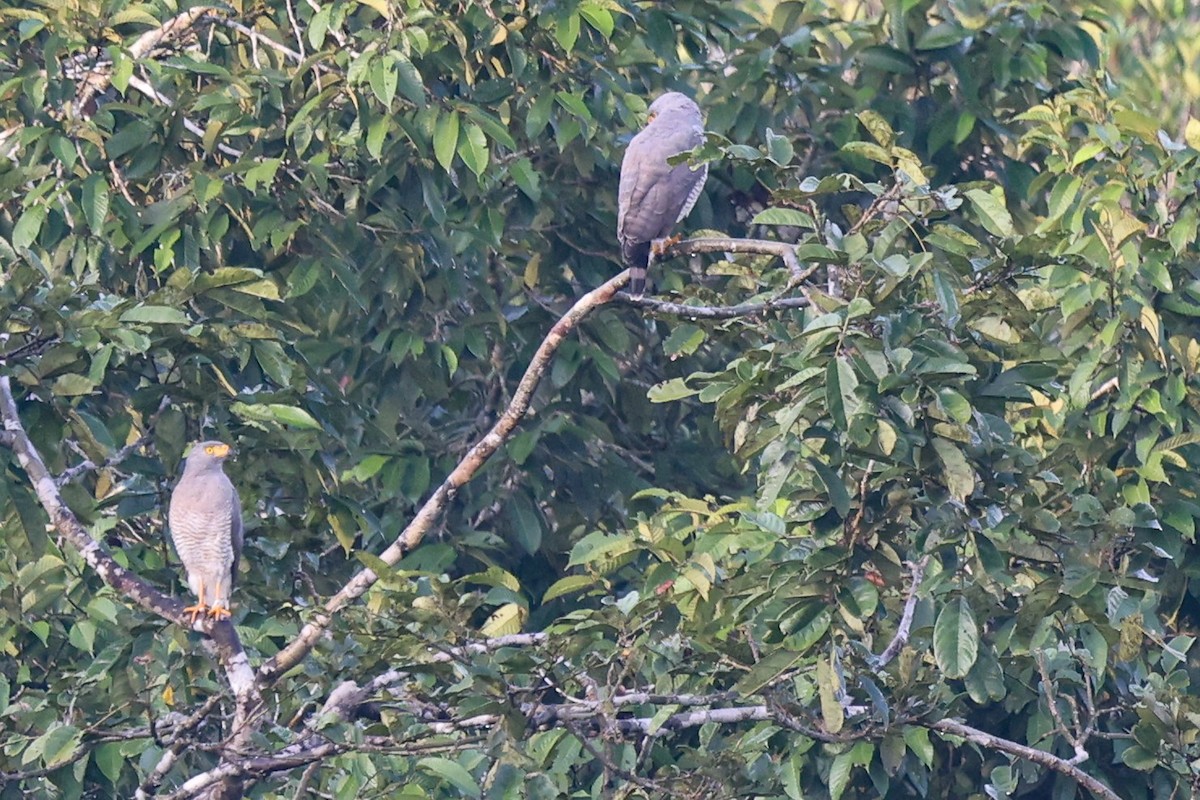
{"x":955,"y":639}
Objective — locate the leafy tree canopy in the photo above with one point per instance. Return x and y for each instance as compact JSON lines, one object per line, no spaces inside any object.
{"x":885,"y":493}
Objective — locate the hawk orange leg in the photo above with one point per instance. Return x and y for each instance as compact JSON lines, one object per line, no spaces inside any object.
{"x":218,"y":611}
{"x":199,"y":609}
{"x":659,"y":247}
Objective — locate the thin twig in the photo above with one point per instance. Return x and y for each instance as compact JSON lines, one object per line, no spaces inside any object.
{"x":1048,"y":687}
{"x":179,"y":741}
{"x":917,"y":574}
{"x":87,"y":465}
{"x":257,"y":37}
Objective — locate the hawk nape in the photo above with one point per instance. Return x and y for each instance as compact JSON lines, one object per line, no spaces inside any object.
{"x":654,"y":195}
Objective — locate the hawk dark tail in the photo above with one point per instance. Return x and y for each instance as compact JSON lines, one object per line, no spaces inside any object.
{"x":636,"y":256}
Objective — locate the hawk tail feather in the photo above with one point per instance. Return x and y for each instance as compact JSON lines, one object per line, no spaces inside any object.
{"x":636,"y":256}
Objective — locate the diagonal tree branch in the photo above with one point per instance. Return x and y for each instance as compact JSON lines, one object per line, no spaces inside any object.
{"x":1041,"y":757}
{"x":466,"y":469}
{"x":478,"y":455}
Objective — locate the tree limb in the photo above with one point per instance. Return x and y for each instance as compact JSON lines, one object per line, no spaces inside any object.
{"x":712,"y":312}
{"x":984,"y":739}
{"x":766,"y":247}
{"x":466,"y":469}
{"x":98,"y":80}
{"x":263,"y":765}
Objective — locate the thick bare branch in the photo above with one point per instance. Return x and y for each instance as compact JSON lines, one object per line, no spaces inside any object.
{"x":984,"y":739}
{"x":179,"y":25}
{"x":766,"y":247}
{"x":264,"y":765}
{"x":466,"y":469}
{"x":712,"y":312}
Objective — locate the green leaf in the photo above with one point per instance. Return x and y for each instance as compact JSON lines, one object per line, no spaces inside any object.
{"x":568,"y":585}
{"x":1062,"y":197}
{"x":941,"y":35}
{"x":109,"y":759}
{"x":835,"y":487}
{"x":955,"y":639}
{"x":829,"y":688}
{"x":383,"y":78}
{"x":598,"y":17}
{"x":262,"y":174}
{"x":566,"y":31}
{"x":684,"y":340}
{"x":869,"y":151}
{"x":841,"y":387}
{"x":992,"y":211}
{"x":25,"y":232}
{"x":452,"y":772}
{"x":504,"y":621}
{"x":95,"y":201}
{"x":783,"y":216}
{"x":917,"y":740}
{"x":72,"y":385}
{"x":879,"y":128}
{"x":473,"y":148}
{"x":291,"y":415}
{"x":955,"y":405}
{"x":56,"y":745}
{"x":779,"y":148}
{"x":526,"y":178}
{"x":155,"y":315}
{"x":445,"y":139}
{"x":948,"y":299}
{"x":412,"y":86}
{"x":860,"y":755}
{"x":670,"y":391}
{"x":766,"y":671}
{"x":575,"y":105}
{"x":277,"y":413}
{"x":1137,"y":757}
{"x":956,"y":472}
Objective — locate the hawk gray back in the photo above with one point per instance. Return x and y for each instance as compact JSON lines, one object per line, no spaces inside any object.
{"x":654,"y":195}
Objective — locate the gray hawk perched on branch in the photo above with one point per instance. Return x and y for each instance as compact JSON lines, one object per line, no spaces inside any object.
{"x":654,"y":195}
{"x":205,"y":516}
